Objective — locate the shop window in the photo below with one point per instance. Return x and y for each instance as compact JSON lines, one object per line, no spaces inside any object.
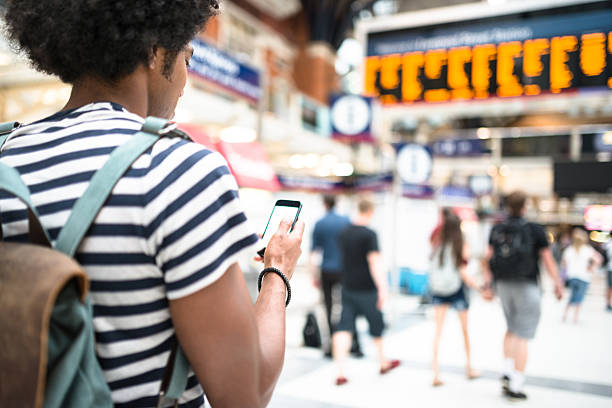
{"x":552,"y":146}
{"x":315,"y":117}
{"x":240,"y":38}
{"x":278,"y":101}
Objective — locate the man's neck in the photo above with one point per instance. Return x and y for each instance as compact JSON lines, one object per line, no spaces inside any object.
{"x":362,"y":221}
{"x":129,"y":92}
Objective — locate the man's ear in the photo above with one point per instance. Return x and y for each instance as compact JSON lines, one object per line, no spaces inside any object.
{"x":154,"y":58}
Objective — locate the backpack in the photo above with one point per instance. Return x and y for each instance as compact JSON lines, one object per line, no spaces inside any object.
{"x":444,"y":280}
{"x":513,"y":246}
{"x":47,"y":345}
{"x":311,"y":333}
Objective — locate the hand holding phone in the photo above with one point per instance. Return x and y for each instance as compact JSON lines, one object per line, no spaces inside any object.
{"x":282,"y":210}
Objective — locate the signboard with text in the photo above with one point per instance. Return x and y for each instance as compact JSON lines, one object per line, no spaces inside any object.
{"x":526,"y":54}
{"x":221,"y":69}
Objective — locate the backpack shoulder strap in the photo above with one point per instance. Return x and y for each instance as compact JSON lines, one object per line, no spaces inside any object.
{"x":6,"y":129}
{"x":89,"y":204}
{"x":11,"y":182}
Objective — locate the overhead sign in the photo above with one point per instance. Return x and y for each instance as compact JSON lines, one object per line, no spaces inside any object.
{"x":310,"y":183}
{"x":351,"y":117}
{"x":458,"y":147}
{"x":225,"y":71}
{"x":414,"y":163}
{"x":505,"y":56}
{"x":372,"y":182}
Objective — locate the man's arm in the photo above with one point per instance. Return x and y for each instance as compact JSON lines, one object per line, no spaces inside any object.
{"x":465,"y":276}
{"x":551,"y":267}
{"x":484,"y":264}
{"x":487,"y":289}
{"x":314,"y":262}
{"x":236,"y":349}
{"x":378,"y":276}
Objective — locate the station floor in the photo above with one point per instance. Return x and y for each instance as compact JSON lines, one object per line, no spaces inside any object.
{"x":570,"y":365}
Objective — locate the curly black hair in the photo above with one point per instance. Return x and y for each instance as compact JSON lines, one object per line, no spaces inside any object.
{"x":107,"y":39}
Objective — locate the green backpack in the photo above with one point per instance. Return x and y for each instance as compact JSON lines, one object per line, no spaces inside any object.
{"x":47,"y":345}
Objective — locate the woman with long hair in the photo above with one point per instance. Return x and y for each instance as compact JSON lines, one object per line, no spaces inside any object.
{"x":579,"y":260}
{"x":447,"y":282}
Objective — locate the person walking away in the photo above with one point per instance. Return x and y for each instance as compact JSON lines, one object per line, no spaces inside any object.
{"x":515,"y":248}
{"x":447,"y":282}
{"x":162,"y":254}
{"x":364,"y":289}
{"x":325,"y":241}
{"x":580,"y":261}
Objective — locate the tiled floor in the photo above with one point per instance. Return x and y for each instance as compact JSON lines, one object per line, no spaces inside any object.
{"x":569,"y":365}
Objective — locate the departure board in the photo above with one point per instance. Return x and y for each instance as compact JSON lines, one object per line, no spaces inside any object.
{"x":517,"y":56}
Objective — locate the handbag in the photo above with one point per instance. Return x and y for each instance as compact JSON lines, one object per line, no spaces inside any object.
{"x":311,"y":332}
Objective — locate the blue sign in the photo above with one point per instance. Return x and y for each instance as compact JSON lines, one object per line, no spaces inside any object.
{"x":310,"y":183}
{"x":458,"y":147}
{"x":223,"y":70}
{"x":417,"y":191}
{"x":373,"y":182}
{"x":455,"y":194}
{"x":414,"y":163}
{"x":351,"y":118}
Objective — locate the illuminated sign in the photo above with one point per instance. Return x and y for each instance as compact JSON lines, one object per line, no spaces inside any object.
{"x":598,"y":217}
{"x":502,"y":57}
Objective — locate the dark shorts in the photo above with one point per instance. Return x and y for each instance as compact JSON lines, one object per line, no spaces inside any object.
{"x":457,"y":300}
{"x":610,"y":278}
{"x":360,"y":303}
{"x":579,"y":289}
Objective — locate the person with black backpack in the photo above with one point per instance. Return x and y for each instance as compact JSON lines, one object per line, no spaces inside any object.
{"x":515,"y":248}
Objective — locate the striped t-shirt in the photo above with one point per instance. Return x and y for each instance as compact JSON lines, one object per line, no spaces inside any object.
{"x":172,"y":226}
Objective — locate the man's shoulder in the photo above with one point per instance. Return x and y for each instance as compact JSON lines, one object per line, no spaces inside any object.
{"x":332,"y":218}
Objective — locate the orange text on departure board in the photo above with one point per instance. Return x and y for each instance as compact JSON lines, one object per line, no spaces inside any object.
{"x":506,"y":69}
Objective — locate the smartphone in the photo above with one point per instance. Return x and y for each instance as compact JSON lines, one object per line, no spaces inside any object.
{"x":283,"y":209}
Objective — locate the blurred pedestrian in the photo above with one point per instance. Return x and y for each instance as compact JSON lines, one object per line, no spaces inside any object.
{"x":580,"y":261}
{"x":562,"y":241}
{"x":608,"y":248}
{"x":447,"y":282}
{"x":364,"y":289}
{"x":325,"y":241}
{"x":515,"y":248}
{"x":162,"y":254}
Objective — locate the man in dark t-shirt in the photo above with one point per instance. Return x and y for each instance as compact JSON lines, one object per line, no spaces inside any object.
{"x":364,"y":289}
{"x":325,"y":240}
{"x":517,"y":286}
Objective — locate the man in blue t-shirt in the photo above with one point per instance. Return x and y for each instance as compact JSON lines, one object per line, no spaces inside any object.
{"x":325,"y":240}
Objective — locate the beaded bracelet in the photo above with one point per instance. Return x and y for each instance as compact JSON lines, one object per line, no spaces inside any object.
{"x":283,"y":277}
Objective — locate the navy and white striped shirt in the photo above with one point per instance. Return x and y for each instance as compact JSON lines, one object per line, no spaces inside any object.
{"x":171,"y":227}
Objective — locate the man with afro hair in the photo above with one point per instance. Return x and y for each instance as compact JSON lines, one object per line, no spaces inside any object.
{"x":162,"y":252}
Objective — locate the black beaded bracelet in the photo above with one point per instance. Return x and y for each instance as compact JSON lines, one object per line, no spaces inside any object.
{"x":283,"y":277}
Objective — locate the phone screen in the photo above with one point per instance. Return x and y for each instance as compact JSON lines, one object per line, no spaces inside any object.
{"x":279,"y":213}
